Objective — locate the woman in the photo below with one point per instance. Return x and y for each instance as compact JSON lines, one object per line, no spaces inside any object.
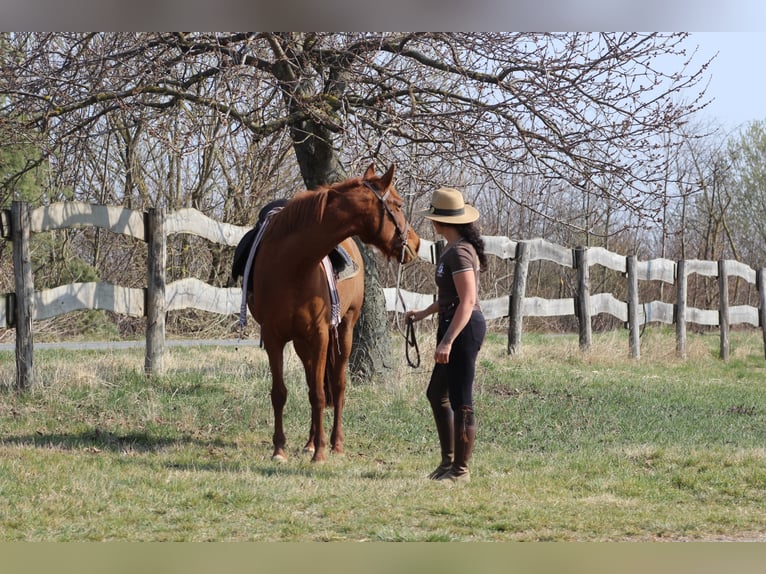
{"x":460,"y":333}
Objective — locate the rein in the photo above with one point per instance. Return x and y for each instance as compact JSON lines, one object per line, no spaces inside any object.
{"x":409,"y":333}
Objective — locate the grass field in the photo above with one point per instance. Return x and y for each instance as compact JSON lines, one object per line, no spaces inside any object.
{"x":570,"y":447}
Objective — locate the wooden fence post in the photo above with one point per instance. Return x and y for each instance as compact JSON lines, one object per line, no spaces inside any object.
{"x":516,"y":300}
{"x":436,"y":250}
{"x":633,"y":327}
{"x":760,"y":282}
{"x":582,"y":301}
{"x":723,"y":308}
{"x":681,"y":296}
{"x":155,"y":293}
{"x":24,"y":296}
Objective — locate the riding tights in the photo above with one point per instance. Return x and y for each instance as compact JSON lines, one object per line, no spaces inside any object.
{"x":452,"y":383}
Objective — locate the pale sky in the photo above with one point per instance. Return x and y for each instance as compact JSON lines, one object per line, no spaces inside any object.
{"x":737,"y":75}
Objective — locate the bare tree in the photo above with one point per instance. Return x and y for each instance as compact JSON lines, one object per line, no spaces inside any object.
{"x":478,"y":110}
{"x":747,"y":151}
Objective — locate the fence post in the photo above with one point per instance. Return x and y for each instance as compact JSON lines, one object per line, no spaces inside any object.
{"x":680,"y":318}
{"x":155,"y":293}
{"x":633,"y":323}
{"x":516,"y":300}
{"x":582,"y":301}
{"x":760,"y":283}
{"x":723,"y":308}
{"x":436,"y":250}
{"x":24,"y":297}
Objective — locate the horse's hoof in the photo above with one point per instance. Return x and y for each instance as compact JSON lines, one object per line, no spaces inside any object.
{"x":279,"y":457}
{"x":318,"y":457}
{"x":308,"y":449}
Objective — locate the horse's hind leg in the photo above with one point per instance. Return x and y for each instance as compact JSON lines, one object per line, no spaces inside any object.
{"x":313,"y":354}
{"x":310,"y":446}
{"x":278,"y":400}
{"x":337,"y":363}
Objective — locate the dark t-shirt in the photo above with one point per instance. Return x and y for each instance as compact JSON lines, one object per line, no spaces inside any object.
{"x":460,"y":258}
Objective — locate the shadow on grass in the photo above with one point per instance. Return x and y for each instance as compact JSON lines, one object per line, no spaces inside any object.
{"x":109,"y":441}
{"x":265,"y":468}
{"x":215,"y":458}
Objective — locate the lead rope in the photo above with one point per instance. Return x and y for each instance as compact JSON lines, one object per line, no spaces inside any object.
{"x":409,"y":331}
{"x":410,"y":341}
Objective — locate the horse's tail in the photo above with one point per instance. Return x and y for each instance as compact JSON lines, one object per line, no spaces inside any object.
{"x":329,"y":401}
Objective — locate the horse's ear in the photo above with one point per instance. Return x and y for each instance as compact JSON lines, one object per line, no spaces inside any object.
{"x":388,"y":177}
{"x":370,"y":173}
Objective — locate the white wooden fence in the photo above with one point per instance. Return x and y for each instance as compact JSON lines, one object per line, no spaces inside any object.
{"x":25,"y":305}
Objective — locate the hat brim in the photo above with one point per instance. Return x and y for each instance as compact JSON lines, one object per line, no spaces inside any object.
{"x":469,"y":215}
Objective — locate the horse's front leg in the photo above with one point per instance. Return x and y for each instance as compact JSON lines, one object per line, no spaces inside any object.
{"x":313,"y":353}
{"x":278,"y":400}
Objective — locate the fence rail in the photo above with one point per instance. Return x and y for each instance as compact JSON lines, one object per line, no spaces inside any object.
{"x":25,"y":305}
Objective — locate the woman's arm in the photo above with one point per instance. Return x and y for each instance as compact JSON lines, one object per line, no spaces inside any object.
{"x":423,"y":313}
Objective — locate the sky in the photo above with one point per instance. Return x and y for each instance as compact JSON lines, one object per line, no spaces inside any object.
{"x":737,"y":76}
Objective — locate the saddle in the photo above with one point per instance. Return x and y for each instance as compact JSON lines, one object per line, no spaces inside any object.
{"x":342,"y":264}
{"x":337,"y":265}
{"x":242,"y":251}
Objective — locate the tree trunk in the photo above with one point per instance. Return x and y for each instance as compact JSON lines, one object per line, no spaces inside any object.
{"x":371,"y":353}
{"x":316,"y":157}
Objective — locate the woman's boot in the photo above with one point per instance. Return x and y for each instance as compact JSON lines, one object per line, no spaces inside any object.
{"x":465,"y":435}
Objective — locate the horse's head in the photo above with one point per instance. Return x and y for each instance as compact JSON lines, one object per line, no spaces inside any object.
{"x":394,"y":237}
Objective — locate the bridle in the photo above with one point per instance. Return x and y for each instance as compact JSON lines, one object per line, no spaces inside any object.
{"x":409,"y":334}
{"x":402,"y":231}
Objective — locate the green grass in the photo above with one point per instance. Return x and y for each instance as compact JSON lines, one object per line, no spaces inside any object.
{"x":570,"y":447}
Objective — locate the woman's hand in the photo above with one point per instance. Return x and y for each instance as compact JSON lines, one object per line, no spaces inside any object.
{"x":441,"y":355}
{"x":416,"y":316}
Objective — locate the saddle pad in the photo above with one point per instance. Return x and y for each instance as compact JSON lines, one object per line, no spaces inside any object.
{"x":347,"y":272}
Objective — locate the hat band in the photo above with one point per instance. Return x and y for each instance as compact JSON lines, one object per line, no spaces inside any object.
{"x":447,"y":212}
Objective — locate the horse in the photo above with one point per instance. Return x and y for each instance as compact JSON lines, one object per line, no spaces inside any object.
{"x":291,"y":301}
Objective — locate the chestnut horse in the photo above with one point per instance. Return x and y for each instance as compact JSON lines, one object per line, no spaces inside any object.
{"x":290,"y":296}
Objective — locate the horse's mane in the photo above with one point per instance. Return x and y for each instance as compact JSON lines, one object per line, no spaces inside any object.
{"x":304,"y":208}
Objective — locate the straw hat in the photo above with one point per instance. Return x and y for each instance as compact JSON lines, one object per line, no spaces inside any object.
{"x":448,"y":206}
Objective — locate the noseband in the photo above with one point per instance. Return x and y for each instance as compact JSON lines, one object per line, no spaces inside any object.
{"x":403,"y":232}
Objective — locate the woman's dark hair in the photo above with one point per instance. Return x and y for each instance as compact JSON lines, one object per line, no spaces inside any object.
{"x":471,"y":234}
